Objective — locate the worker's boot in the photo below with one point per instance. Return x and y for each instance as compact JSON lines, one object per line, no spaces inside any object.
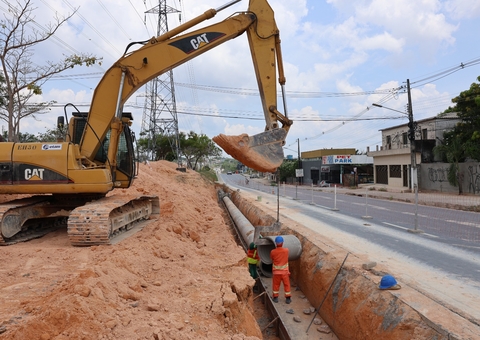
{"x":275,"y":299}
{"x":289,"y":300}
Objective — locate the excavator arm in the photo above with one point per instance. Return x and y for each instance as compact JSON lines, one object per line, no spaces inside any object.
{"x":262,"y":152}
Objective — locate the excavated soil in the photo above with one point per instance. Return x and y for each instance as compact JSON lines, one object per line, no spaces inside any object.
{"x":181,"y":277}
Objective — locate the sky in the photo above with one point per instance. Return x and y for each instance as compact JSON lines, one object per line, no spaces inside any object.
{"x":339,"y":56}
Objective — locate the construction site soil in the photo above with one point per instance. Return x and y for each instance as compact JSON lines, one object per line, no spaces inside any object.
{"x":183,"y":276}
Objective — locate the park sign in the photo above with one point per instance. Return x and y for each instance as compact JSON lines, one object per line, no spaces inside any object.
{"x":299,"y":172}
{"x":347,"y":159}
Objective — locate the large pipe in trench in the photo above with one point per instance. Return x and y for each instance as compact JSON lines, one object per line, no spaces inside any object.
{"x":247,"y":230}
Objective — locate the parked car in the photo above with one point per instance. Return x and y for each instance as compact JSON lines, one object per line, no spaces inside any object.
{"x":229,"y":173}
{"x":324,"y":184}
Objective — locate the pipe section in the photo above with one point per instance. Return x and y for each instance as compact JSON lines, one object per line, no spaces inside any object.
{"x":247,"y":231}
{"x":289,"y":241}
{"x":245,"y":228}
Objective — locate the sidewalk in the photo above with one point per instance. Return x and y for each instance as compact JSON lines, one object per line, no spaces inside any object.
{"x":467,"y":202}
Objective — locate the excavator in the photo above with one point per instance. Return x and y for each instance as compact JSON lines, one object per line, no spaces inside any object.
{"x":66,"y":182}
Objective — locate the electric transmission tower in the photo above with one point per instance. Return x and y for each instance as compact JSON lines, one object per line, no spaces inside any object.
{"x":160,"y":110}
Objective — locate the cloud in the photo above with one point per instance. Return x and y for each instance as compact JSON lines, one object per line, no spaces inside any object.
{"x":463,"y":9}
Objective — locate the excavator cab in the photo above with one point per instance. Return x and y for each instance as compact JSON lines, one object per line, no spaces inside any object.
{"x":125,"y":162}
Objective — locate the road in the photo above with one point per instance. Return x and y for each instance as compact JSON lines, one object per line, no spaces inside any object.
{"x":440,"y":261}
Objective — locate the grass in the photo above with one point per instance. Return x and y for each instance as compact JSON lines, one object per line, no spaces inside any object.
{"x":209,"y":174}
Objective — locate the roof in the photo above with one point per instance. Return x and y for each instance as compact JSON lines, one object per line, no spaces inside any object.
{"x":326,"y":152}
{"x":446,"y":116}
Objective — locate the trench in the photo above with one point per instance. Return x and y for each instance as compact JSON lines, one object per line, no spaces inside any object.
{"x":351,"y":304}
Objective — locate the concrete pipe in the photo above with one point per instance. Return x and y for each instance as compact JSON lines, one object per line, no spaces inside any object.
{"x":245,"y":228}
{"x":247,"y":231}
{"x":289,"y":241}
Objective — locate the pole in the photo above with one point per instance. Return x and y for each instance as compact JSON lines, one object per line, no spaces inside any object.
{"x":312,"y":194}
{"x":299,"y":159}
{"x":335,"y":278}
{"x":411,"y":125}
{"x":278,"y":195}
{"x":335,"y":198}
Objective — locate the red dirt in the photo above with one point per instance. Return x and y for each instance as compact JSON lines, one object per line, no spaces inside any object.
{"x":181,"y":277}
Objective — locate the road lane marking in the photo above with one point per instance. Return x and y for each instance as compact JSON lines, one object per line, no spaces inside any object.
{"x":404,"y":228}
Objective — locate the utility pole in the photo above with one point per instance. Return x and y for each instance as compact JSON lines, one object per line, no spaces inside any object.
{"x":411,"y":137}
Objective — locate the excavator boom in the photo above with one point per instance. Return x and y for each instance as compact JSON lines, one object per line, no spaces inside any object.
{"x":70,"y":178}
{"x":165,"y":52}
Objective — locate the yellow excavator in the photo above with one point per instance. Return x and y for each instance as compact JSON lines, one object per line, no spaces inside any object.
{"x":67,"y":181}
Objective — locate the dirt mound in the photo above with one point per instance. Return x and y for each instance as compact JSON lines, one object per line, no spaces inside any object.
{"x":181,"y":277}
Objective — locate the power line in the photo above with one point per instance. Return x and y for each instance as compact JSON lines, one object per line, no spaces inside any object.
{"x":113,"y":18}
{"x":92,"y":27}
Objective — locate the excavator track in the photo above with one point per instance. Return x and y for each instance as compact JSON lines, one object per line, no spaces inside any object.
{"x":25,"y":219}
{"x":100,"y":221}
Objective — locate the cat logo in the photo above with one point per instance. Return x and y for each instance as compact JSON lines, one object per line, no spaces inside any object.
{"x":197,"y":42}
{"x":193,"y":43}
{"x":34,"y":174}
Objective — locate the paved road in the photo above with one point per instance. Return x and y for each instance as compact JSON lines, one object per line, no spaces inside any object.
{"x":454,"y":261}
{"x":451,"y":226}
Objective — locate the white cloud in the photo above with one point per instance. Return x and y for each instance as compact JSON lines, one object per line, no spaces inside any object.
{"x":463,"y":9}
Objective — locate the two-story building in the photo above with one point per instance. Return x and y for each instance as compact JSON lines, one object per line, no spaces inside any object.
{"x":392,"y":161}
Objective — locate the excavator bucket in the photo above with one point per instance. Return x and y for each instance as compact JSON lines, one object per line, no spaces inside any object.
{"x":262,"y":152}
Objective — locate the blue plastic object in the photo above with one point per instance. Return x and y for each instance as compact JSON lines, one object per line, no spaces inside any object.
{"x":278,"y":239}
{"x":388,"y":281}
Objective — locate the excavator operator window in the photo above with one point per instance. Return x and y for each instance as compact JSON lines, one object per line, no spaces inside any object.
{"x":125,"y":159}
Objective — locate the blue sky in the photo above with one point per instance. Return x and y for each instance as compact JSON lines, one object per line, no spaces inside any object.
{"x":340,"y":56}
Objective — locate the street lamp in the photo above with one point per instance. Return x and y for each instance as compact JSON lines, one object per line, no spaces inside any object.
{"x":411,"y":137}
{"x":388,"y":108}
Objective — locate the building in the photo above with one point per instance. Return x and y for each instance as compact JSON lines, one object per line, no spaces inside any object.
{"x":336,"y":166}
{"x":392,"y":162}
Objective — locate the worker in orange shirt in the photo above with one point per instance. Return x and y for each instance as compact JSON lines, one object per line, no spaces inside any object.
{"x":281,"y":273}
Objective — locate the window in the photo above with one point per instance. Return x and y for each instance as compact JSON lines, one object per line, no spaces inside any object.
{"x":388,"y":140}
{"x":424,"y":134}
{"x":405,"y":138}
{"x":396,"y":171}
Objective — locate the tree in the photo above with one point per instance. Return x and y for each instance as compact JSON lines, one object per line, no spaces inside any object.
{"x":52,"y":135}
{"x":287,"y":169}
{"x":23,"y":78}
{"x":162,"y":148}
{"x":453,"y":152}
{"x":467,"y":105}
{"x":197,"y":147}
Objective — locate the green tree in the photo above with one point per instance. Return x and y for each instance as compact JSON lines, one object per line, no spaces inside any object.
{"x":453,"y":152}
{"x":24,"y":78}
{"x":229,"y":164}
{"x":467,"y":106}
{"x":197,"y":148}
{"x":162,"y":150}
{"x":51,"y":135}
{"x":287,"y":169}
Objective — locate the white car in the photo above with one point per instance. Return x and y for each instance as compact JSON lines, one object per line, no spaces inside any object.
{"x":324,"y":184}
